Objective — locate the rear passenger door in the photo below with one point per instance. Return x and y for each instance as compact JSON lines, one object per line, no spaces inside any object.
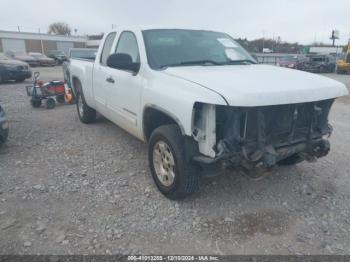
{"x":101,"y":74}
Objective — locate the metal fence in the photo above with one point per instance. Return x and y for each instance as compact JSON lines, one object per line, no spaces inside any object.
{"x":271,"y":59}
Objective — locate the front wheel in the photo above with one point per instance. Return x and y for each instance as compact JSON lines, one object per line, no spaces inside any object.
{"x":175,"y":176}
{"x":86,"y":114}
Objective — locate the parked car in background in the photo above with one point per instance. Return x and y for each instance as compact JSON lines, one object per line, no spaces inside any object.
{"x":43,"y":59}
{"x":22,"y":56}
{"x":4,"y":126}
{"x":343,"y":64}
{"x":77,"y":53}
{"x":11,"y":69}
{"x":267,"y":50}
{"x":292,"y":61}
{"x":320,"y":64}
{"x":58,"y":56}
{"x":203,"y":103}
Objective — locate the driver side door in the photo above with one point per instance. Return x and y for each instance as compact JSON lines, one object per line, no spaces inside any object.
{"x":124,"y":98}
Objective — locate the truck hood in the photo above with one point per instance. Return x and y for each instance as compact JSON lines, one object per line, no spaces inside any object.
{"x":260,"y":85}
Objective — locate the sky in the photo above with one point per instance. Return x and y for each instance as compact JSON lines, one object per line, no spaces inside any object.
{"x":303,"y":21}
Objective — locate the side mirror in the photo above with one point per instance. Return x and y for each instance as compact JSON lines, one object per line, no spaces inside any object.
{"x":122,"y":62}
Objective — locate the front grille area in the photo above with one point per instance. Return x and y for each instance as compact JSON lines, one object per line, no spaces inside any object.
{"x":277,"y":125}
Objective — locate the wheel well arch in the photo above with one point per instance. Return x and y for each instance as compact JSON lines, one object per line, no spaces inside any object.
{"x":76,"y":84}
{"x":154,"y":116}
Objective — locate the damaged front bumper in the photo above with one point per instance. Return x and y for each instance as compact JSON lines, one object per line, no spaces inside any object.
{"x":256,"y":139}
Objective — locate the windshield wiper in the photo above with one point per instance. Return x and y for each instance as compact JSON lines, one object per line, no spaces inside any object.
{"x":206,"y":62}
{"x":196,"y":62}
{"x":200,"y":62}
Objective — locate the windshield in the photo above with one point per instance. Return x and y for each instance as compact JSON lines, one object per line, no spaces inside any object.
{"x":38,"y":55}
{"x":85,"y":54}
{"x":177,"y":47}
{"x":289,"y":59}
{"x":318,"y":59}
{"x":19,"y":53}
{"x":57,"y":53}
{"x":3,"y":57}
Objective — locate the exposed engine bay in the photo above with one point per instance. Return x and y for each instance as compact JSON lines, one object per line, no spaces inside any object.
{"x":258,"y":138}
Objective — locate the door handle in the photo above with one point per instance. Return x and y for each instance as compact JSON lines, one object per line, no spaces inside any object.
{"x":110,"y":80}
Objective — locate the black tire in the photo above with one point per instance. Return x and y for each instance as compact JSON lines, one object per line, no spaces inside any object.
{"x":86,"y":114}
{"x":60,"y":99}
{"x":35,"y":103}
{"x":3,"y":138}
{"x":338,"y":71}
{"x":50,"y":103}
{"x":321,"y":69}
{"x":292,"y":160}
{"x":185,"y":180}
{"x":19,"y":80}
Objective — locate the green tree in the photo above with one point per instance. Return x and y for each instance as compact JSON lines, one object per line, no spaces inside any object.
{"x":59,"y":28}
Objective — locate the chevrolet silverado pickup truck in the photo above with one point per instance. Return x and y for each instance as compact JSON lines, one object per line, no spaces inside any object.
{"x":203,"y":104}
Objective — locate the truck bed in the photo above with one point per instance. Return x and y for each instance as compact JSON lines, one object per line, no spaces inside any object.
{"x":82,"y":69}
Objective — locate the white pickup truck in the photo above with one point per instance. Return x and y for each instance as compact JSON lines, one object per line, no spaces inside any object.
{"x":203,"y":104}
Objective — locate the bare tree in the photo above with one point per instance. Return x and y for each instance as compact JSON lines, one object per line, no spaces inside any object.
{"x":59,"y":28}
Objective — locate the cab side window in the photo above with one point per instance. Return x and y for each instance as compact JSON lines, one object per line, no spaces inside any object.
{"x":107,"y":48}
{"x":127,"y":44}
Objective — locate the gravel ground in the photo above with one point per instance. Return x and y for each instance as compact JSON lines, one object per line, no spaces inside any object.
{"x":69,"y":188}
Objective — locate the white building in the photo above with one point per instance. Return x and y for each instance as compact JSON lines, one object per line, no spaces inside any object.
{"x":36,"y":42}
{"x":326,"y":50}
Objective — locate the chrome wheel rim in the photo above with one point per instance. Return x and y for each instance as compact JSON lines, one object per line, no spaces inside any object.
{"x":164,"y":163}
{"x":80,"y":106}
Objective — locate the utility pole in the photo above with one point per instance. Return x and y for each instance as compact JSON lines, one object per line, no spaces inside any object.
{"x":335,"y":35}
{"x":263,"y":40}
{"x":41,"y":42}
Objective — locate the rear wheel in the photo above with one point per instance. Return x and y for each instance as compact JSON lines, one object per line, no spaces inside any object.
{"x":86,"y":114}
{"x":35,"y":103}
{"x":175,"y":176}
{"x":50,"y":103}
